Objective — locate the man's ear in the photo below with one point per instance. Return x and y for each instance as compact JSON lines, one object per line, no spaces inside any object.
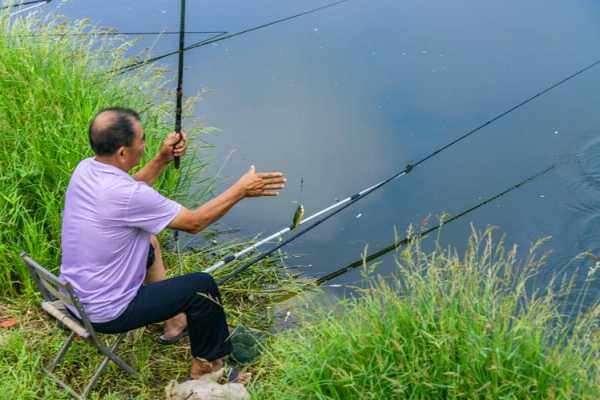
{"x":121,"y":151}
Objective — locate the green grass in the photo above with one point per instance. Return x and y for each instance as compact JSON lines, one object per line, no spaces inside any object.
{"x":50,"y":87}
{"x":25,"y":349}
{"x":445,"y":327}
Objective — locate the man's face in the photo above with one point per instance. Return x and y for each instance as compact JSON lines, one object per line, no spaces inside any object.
{"x":135,"y":152}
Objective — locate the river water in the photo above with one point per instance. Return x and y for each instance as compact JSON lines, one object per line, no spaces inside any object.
{"x":347,"y":96}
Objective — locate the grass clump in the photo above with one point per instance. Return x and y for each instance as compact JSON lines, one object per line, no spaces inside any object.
{"x":444,"y":327}
{"x":28,"y":347}
{"x":50,"y":87}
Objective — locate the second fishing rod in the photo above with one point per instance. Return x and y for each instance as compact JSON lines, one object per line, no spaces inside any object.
{"x":444,"y":221}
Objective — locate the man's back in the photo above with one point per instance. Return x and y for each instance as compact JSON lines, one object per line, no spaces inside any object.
{"x":108,"y":220}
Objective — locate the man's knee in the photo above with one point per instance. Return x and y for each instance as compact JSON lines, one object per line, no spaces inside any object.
{"x":204,"y":282}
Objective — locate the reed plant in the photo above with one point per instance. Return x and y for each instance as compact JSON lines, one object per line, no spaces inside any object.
{"x":54,"y":76}
{"x":51,"y":84}
{"x":444,"y":327}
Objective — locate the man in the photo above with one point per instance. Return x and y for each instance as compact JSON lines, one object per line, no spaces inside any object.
{"x":109,"y":251}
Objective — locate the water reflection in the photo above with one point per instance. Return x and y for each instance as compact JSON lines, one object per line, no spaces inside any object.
{"x":346,"y":97}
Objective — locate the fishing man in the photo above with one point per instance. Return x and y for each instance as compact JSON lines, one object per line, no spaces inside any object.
{"x":109,"y":250}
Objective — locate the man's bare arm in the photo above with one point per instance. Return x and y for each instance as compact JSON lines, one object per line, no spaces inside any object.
{"x":152,"y":170}
{"x":251,"y":184}
{"x":171,"y":147}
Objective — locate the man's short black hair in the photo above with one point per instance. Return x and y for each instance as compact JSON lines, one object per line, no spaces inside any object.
{"x":107,"y":137}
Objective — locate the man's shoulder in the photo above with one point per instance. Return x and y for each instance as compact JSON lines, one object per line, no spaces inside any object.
{"x":101,"y":180}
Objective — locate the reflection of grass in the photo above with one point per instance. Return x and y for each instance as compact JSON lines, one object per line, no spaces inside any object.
{"x":50,"y":86}
{"x":445,"y":328}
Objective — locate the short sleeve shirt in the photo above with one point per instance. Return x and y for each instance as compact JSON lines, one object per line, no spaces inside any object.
{"x":108,"y":220}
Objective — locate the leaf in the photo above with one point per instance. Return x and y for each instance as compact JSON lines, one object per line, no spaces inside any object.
{"x":8,"y":323}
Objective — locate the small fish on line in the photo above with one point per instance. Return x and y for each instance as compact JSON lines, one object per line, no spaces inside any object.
{"x":297,"y":217}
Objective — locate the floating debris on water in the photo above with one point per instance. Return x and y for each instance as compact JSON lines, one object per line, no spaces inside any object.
{"x":556,"y":132}
{"x":358,"y":215}
{"x":542,"y":196}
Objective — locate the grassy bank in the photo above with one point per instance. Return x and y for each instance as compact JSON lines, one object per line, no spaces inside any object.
{"x":446,"y":327}
{"x":51,"y":85}
{"x":25,"y":349}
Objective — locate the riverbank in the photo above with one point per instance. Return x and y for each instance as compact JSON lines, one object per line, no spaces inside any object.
{"x":447,"y":326}
{"x":50,"y":86}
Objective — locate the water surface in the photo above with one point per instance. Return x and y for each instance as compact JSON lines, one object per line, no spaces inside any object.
{"x":347,"y":96}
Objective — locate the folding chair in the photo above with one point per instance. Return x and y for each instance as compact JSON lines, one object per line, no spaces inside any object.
{"x":57,"y":295}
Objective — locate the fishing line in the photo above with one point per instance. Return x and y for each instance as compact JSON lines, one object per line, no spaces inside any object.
{"x":206,"y":42}
{"x":178,"y":112}
{"x":340,"y":271}
{"x":131,"y":67}
{"x":116,"y":33}
{"x":25,"y":3}
{"x":209,"y":187}
{"x":356,"y":197}
{"x":39,"y":4}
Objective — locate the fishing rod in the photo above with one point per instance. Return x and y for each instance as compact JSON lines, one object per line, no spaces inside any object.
{"x":178,"y":108}
{"x":133,"y":66}
{"x":25,"y":3}
{"x":116,"y":33}
{"x":381,"y":252}
{"x":130,"y":67}
{"x":341,"y":205}
{"x":178,"y":111}
{"x":36,"y":4}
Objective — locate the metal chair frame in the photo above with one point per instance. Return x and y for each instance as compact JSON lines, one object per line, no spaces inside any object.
{"x":57,"y":296}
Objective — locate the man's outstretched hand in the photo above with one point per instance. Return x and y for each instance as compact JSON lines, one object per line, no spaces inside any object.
{"x":255,"y":184}
{"x":173,"y":146}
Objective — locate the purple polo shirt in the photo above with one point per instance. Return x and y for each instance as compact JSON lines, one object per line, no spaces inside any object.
{"x":108,"y":220}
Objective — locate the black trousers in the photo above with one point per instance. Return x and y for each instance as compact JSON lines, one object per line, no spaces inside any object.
{"x":195,"y":294}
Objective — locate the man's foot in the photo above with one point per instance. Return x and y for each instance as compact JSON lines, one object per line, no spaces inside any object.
{"x":175,"y":329}
{"x":201,"y":367}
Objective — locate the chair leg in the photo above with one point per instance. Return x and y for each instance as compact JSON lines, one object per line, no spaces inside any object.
{"x":108,"y":355}
{"x":115,"y":358}
{"x":61,"y":353}
{"x":66,"y":387}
